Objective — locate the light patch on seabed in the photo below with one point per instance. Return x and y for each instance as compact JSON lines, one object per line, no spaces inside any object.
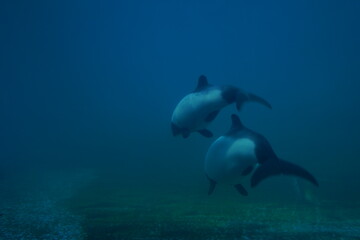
{"x":343,"y":229}
{"x":38,"y":215}
{"x":347,"y":228}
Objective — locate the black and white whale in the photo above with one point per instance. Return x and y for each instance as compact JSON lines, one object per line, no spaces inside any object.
{"x":200,"y":107}
{"x":234,"y":156}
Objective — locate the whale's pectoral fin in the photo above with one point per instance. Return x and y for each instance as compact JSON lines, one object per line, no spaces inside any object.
{"x":212,"y":185}
{"x":240,"y":188}
{"x":175,"y":129}
{"x":247,"y":170}
{"x":205,"y":133}
{"x":241,"y":98}
{"x":185,"y":133}
{"x":211,"y":116}
{"x":277,"y":167}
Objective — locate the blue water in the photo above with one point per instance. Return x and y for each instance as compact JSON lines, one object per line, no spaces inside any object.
{"x":87,"y":90}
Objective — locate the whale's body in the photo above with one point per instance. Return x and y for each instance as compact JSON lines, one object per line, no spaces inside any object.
{"x":196,"y":110}
{"x":199,"y":108}
{"x":233,"y":157}
{"x":228,"y":159}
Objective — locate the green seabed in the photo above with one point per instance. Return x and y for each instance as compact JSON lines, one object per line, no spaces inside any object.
{"x":129,"y":214}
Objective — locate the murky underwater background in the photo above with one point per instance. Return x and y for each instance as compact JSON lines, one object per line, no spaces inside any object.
{"x":87,"y":90}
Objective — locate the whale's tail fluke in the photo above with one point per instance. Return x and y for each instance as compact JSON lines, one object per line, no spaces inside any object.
{"x":255,"y":98}
{"x":279,"y":167}
{"x":243,"y":97}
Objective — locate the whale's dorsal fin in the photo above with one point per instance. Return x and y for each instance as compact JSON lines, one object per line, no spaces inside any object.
{"x":236,"y":125}
{"x":236,"y":122}
{"x":202,"y":83}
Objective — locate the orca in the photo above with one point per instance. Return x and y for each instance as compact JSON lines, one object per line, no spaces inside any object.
{"x":242,"y":152}
{"x":199,"y":108}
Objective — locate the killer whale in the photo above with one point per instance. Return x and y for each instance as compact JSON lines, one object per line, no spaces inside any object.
{"x":197,"y":109}
{"x":241,"y":151}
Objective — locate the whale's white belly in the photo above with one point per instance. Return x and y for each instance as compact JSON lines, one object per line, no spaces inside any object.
{"x":227,"y":158}
{"x":193,"y":109}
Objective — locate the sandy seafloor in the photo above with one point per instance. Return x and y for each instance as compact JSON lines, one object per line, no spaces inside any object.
{"x":79,"y":208}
